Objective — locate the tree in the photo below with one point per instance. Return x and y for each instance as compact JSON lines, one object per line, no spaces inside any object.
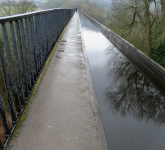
{"x":54,"y":3}
{"x":142,"y":23}
{"x":12,"y":7}
{"x":137,"y":14}
{"x":157,"y":52}
{"x":140,"y":17}
{"x":163,"y":7}
{"x":91,"y":8}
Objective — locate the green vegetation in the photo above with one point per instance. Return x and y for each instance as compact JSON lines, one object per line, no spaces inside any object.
{"x":11,"y":7}
{"x":54,"y":3}
{"x":91,"y":8}
{"x":141,"y":22}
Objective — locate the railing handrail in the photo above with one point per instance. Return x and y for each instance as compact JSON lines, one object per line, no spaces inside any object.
{"x":26,"y":41}
{"x":4,"y":19}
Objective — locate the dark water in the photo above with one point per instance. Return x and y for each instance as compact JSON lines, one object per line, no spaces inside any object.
{"x":132,"y":108}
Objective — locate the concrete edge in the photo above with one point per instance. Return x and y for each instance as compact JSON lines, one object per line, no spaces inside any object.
{"x":148,"y":66}
{"x":95,"y":105}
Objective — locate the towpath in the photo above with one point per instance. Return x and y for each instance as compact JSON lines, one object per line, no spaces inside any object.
{"x":61,"y":115}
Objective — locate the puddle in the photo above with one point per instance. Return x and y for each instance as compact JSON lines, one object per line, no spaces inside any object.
{"x":63,"y":44}
{"x":60,"y":50}
{"x":71,"y":55}
{"x":58,"y":56}
{"x":63,"y":41}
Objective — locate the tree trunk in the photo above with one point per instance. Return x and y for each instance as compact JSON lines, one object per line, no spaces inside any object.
{"x":163,"y":7}
{"x":148,"y":24}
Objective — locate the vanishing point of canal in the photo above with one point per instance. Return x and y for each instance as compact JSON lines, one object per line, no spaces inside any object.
{"x":132,"y":107}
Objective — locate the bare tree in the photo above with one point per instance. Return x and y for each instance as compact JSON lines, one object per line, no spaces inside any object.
{"x":141,"y":15}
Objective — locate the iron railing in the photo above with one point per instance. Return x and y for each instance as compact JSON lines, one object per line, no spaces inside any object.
{"x":26,"y":40}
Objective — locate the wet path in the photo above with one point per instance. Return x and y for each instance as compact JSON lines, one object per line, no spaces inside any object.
{"x":61,"y":116}
{"x":132,"y":108}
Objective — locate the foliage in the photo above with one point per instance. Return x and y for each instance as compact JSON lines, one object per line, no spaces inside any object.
{"x":158,"y":54}
{"x":141,"y":23}
{"x":90,"y":8}
{"x":54,"y":3}
{"x":94,"y":10}
{"x":2,"y":42}
{"x":11,"y":7}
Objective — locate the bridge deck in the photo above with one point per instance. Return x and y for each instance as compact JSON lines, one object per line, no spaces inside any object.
{"x":61,"y":115}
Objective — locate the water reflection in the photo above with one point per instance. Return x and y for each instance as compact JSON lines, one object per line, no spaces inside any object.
{"x":130,"y":92}
{"x":127,"y":99}
{"x":86,"y":24}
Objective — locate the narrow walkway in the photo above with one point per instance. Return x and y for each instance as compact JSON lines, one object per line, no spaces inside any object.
{"x":61,"y":116}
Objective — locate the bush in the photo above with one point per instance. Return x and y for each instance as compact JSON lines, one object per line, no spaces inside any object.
{"x":158,"y":54}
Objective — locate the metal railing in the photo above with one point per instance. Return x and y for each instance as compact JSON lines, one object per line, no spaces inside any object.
{"x":26,"y":40}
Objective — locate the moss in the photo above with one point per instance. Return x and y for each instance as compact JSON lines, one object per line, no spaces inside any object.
{"x":25,"y":113}
{"x":97,"y":131}
{"x":99,"y":143}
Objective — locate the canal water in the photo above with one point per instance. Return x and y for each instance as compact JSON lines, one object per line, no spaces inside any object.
{"x":132,"y":108}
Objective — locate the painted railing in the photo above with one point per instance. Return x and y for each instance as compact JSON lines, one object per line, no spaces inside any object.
{"x":26,"y":41}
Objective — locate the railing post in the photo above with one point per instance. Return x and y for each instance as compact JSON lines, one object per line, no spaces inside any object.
{"x":39,"y":36}
{"x":7,"y":86}
{"x":42,"y":48}
{"x":37,"y":57}
{"x":1,"y":146}
{"x":20,"y":85}
{"x":49,"y":31}
{"x":4,"y":117}
{"x":44,"y":36}
{"x":23,"y":67}
{"x":25,"y":55}
{"x":46,"y":33}
{"x":58,"y":24}
{"x":29,"y":52}
{"x":10,"y":64}
{"x":55,"y":26}
{"x":32,"y":47}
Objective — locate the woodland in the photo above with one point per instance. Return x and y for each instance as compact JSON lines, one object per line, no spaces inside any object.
{"x":141,"y":22}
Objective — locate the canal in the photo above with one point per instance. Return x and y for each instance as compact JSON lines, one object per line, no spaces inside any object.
{"x":132,"y":107}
